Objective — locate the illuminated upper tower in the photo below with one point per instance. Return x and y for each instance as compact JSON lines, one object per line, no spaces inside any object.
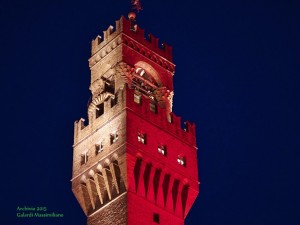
{"x":133,"y":163}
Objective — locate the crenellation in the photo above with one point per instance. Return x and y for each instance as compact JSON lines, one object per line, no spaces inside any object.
{"x":78,"y":126}
{"x":152,"y":43}
{"x":108,"y":32}
{"x":161,"y":118}
{"x":140,"y":32}
{"x":190,"y":127}
{"x":123,"y":26}
{"x":98,"y":40}
{"x":108,"y":35}
{"x":106,"y":48}
{"x":134,"y":152}
{"x":110,"y":111}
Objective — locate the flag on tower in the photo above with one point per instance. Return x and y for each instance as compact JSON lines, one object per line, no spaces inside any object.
{"x":136,"y":4}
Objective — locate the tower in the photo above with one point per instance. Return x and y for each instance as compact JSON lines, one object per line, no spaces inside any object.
{"x":133,"y":162}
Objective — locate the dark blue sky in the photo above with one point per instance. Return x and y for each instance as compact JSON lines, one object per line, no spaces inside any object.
{"x":237,"y":77}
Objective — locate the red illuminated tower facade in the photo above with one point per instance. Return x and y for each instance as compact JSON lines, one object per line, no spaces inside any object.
{"x":133,"y":163}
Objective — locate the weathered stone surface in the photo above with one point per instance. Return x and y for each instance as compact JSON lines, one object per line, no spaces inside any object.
{"x":115,"y":213}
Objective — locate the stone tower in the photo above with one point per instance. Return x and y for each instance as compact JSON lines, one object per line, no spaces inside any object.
{"x":133,"y":162}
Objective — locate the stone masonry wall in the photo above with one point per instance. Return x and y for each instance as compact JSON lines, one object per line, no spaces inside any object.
{"x":115,"y":213}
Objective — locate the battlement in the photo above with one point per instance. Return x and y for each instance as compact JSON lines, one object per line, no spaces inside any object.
{"x":134,"y":160}
{"x":125,"y":26}
{"x":146,"y":109}
{"x":110,"y":111}
{"x":157,"y":115}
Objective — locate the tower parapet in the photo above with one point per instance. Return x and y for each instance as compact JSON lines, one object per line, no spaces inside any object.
{"x":134,"y":161}
{"x":158,"y":116}
{"x":146,"y":45}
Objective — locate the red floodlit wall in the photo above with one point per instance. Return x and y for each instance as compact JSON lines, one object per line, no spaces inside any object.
{"x":141,"y":211}
{"x":157,"y":183}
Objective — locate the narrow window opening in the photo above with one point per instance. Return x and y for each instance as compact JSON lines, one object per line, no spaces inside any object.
{"x":181,"y":160}
{"x":99,"y":148}
{"x":141,"y":138}
{"x":162,"y":150}
{"x":156,"y":218}
{"x":84,"y":158}
{"x":109,"y":86}
{"x":99,"y":110}
{"x":114,"y":137}
{"x":114,"y":101}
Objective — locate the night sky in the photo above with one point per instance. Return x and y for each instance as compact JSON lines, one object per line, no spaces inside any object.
{"x":237,"y":78}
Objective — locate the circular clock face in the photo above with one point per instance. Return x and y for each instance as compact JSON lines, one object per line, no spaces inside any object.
{"x":144,"y":82}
